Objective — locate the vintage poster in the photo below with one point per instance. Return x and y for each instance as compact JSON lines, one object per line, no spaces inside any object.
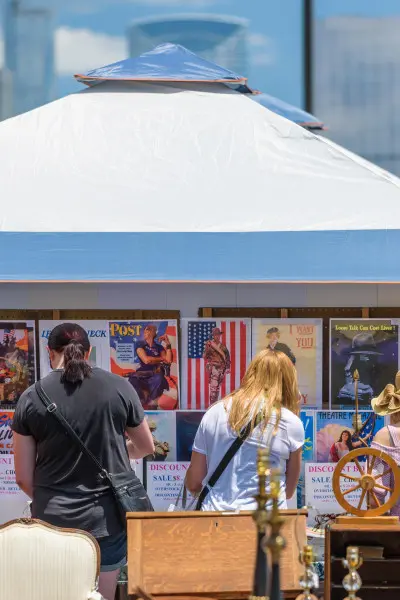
{"x":301,"y":341}
{"x":164,"y":483}
{"x":13,"y":502}
{"x":17,"y":360}
{"x":335,"y":433}
{"x":371,"y":347}
{"x":216,"y":354}
{"x":319,"y":492}
{"x":6,"y":434}
{"x":146,"y":353}
{"x":98,"y":337}
{"x":187,"y":423}
{"x":163,"y":428}
{"x":308,"y":419}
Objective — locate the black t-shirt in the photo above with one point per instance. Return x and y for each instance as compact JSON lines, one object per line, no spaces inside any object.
{"x":67,"y":490}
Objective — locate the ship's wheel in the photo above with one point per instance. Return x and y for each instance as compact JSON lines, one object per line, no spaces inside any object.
{"x":367,"y":481}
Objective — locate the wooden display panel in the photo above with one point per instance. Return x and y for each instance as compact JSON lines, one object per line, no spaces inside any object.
{"x":193,"y":553}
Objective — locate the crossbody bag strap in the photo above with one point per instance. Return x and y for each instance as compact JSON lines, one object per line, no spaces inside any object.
{"x":52,"y":409}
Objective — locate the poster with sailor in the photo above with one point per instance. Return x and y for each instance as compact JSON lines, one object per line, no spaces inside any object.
{"x":98,"y":338}
{"x":216,"y":354}
{"x":301,"y":341}
{"x":369,"y":346}
{"x":17,"y":360}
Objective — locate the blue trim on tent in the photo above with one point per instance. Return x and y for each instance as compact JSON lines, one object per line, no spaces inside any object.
{"x":326,"y":256}
{"x":292,"y":113}
{"x":165,"y":63}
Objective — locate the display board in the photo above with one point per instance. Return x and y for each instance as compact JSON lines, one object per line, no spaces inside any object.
{"x":370,"y":346}
{"x":17,"y":360}
{"x":301,"y":341}
{"x":215,"y":356}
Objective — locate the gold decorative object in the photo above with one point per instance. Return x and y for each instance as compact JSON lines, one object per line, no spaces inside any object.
{"x":357,"y":422}
{"x":309,"y":580}
{"x":352,"y":581}
{"x":275,"y":542}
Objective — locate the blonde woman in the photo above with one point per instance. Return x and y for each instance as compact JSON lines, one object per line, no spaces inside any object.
{"x":263,"y":411}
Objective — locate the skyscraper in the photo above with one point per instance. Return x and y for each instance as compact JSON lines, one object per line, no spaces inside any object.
{"x":6,"y":105}
{"x":357,"y":85}
{"x":220,"y":39}
{"x":29,"y":53}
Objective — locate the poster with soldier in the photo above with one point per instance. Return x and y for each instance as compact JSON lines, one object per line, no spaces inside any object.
{"x":369,"y":346}
{"x":17,"y":360}
{"x":98,"y":337}
{"x":163,"y":429}
{"x":216,"y":353}
{"x":301,"y":341}
{"x":146,"y":353}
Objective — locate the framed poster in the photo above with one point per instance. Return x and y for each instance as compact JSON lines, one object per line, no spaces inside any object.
{"x":370,"y":346}
{"x":98,"y":337}
{"x":334,"y":433}
{"x":17,"y":360}
{"x":301,"y":341}
{"x":163,"y":429}
{"x":216,"y":354}
{"x":146,"y":353}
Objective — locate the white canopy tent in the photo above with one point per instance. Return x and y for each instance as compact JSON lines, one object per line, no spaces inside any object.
{"x":186,"y":181}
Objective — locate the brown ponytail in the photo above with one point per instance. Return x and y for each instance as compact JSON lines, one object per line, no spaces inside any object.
{"x":73,"y":341}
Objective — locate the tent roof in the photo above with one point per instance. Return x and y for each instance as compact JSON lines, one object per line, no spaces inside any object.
{"x":165,"y":63}
{"x":183,"y":182}
{"x":297,"y":115}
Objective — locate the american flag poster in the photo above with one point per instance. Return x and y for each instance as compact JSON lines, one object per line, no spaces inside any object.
{"x":146,"y":353}
{"x":17,"y":360}
{"x":216,"y":353}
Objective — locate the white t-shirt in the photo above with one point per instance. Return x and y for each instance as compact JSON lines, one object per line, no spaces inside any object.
{"x":237,"y":486}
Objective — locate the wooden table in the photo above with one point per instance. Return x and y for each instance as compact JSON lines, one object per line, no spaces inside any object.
{"x":209,"y":554}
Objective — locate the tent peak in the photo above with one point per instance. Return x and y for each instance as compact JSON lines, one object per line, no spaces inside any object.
{"x":166,"y":63}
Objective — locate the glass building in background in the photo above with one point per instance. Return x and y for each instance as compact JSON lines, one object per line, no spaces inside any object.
{"x":220,"y":39}
{"x":29,"y":53}
{"x":357,"y":84}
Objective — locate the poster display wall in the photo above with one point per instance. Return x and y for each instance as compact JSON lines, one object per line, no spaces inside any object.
{"x":370,"y":346}
{"x":98,"y":337}
{"x":215,"y":357}
{"x":146,"y":353}
{"x":301,"y":341}
{"x":17,"y":360}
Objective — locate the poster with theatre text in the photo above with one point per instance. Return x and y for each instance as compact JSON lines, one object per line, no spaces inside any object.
{"x":301,"y":341}
{"x":17,"y":360}
{"x":216,"y":354}
{"x":370,"y":346}
{"x":98,"y":338}
{"x":146,"y":353}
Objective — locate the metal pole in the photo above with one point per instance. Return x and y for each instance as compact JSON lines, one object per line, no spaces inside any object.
{"x":308,"y":54}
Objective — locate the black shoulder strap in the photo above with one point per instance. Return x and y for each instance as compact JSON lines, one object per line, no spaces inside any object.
{"x":52,"y":408}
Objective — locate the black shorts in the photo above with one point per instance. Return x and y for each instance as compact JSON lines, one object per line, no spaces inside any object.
{"x":113,"y":552}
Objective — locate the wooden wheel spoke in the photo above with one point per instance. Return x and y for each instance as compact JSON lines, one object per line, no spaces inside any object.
{"x":384,"y":487}
{"x":353,"y":489}
{"x":357,"y":463}
{"x":371,"y":465}
{"x":378,"y":476}
{"x":351,"y":477}
{"x":361,"y":499}
{"x":376,"y":500}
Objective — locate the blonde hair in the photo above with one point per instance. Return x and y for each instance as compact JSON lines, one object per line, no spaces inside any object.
{"x":270,"y":382}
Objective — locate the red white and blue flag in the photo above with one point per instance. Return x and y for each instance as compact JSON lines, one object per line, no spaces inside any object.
{"x":236,"y":336}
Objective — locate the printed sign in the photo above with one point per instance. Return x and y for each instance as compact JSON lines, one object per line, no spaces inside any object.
{"x":17,"y":360}
{"x":301,"y":341}
{"x":319,"y":492}
{"x":13,"y":502}
{"x":164,"y":483}
{"x":146,"y":353}
{"x":98,"y":337}
{"x":371,"y":347}
{"x":216,"y":354}
{"x":335,"y":433}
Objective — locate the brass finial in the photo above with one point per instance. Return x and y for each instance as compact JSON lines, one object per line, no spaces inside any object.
{"x":309,"y":580}
{"x":352,"y":581}
{"x":276,"y":542}
{"x":357,"y":422}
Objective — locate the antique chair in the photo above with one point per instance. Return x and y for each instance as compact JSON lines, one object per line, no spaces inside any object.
{"x":42,"y":562}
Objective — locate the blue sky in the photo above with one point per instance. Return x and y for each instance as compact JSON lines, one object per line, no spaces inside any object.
{"x":92,"y":32}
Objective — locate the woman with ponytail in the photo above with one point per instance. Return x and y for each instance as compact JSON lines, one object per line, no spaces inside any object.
{"x":106,"y":413}
{"x":266,"y":407}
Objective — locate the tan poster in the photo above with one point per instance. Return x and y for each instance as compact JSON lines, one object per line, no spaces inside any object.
{"x":301,"y":341}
